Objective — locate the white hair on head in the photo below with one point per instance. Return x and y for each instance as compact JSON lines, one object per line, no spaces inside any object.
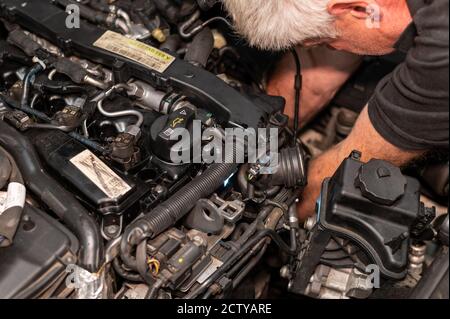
{"x":281,"y":24}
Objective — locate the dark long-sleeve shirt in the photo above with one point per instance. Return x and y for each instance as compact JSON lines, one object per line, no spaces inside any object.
{"x":410,"y":107}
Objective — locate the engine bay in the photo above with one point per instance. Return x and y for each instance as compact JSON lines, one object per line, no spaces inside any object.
{"x":93,"y":205}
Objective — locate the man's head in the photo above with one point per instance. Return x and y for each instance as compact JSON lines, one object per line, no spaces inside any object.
{"x":369,"y":27}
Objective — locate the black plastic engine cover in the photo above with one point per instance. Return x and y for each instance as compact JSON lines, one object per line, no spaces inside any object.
{"x":375,"y":207}
{"x":38,"y":258}
{"x":106,"y":190}
{"x":47,"y":20}
{"x":382,"y":230}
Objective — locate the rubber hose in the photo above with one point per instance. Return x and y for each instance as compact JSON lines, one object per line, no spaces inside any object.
{"x":60,"y":201}
{"x":15,"y":175}
{"x":168,"y":9}
{"x":134,"y":277}
{"x":5,"y":170}
{"x":177,"y":206}
{"x":200,"y":48}
{"x":57,"y":87}
{"x":172,"y":43}
{"x":34,"y":70}
{"x":244,"y":185}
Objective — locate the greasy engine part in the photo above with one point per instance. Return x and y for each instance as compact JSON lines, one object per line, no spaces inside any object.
{"x":27,"y":270}
{"x":48,"y":21}
{"x":59,"y":200}
{"x":171,"y":211}
{"x":367,"y":214}
{"x":114,"y":194}
{"x":91,"y":137}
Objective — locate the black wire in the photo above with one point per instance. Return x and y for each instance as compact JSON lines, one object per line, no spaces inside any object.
{"x":43,"y":117}
{"x":130,"y":276}
{"x":266,"y":233}
{"x":34,"y":70}
{"x":249,"y":267}
{"x":298,"y":89}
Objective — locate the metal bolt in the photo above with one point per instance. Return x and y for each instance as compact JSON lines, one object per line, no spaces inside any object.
{"x":310,"y":223}
{"x":285,"y":272}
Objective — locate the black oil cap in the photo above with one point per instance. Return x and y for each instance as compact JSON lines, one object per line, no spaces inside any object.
{"x":381,"y":182}
{"x":163,"y":130}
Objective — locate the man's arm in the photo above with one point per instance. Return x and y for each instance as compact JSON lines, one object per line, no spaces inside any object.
{"x":324,"y":71}
{"x":363,"y":138}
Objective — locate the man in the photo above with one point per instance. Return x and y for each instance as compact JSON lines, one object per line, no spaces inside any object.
{"x":408,"y":114}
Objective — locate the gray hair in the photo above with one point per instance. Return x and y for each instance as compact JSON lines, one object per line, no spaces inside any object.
{"x":280,"y":24}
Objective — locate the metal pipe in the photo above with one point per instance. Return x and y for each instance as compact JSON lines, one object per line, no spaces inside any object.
{"x":100,"y":98}
{"x":34,"y":70}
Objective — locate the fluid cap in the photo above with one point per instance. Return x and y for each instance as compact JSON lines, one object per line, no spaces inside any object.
{"x":381,"y":182}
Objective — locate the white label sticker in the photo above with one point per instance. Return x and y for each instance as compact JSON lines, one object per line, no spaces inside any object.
{"x":134,"y":50}
{"x":100,"y":174}
{"x":15,"y":197}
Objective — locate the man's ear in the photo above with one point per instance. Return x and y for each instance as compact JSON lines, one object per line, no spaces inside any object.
{"x":358,"y":9}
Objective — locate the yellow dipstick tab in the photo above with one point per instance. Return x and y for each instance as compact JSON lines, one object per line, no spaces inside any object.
{"x":159,"y":35}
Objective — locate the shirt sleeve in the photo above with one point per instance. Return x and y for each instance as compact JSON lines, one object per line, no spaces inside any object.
{"x":410,"y":107}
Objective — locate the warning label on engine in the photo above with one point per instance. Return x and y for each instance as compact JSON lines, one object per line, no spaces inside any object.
{"x":135,"y":50}
{"x":100,"y":174}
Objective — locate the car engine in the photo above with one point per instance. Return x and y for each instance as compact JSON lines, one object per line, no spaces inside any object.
{"x":93,"y":205}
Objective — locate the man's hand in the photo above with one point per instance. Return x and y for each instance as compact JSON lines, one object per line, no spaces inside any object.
{"x":324,"y":71}
{"x":363,"y":138}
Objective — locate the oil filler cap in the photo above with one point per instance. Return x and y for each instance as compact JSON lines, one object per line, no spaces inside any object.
{"x":381,"y":182}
